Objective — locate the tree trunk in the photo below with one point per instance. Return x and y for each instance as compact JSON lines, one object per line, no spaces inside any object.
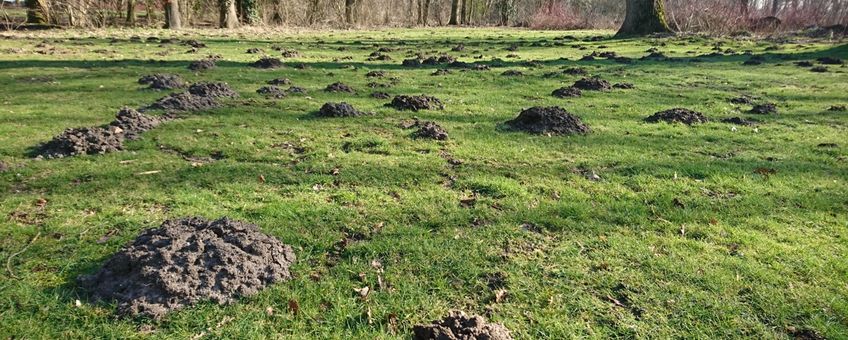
{"x":131,"y":13}
{"x":463,"y":13}
{"x":743,"y":7}
{"x":775,"y":7}
{"x":454,"y":10}
{"x":644,"y":17}
{"x":249,"y":11}
{"x":426,"y":12}
{"x":36,"y":12}
{"x":227,"y":14}
{"x":348,"y":7}
{"x":172,"y":14}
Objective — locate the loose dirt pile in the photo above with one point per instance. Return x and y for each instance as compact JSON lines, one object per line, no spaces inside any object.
{"x":567,"y":92}
{"x":459,"y":326}
{"x":161,"y":81}
{"x":548,"y":120}
{"x":575,"y":71}
{"x":380,"y":95}
{"x":183,"y":101}
{"x":740,"y":121}
{"x":415,"y":103}
{"x":132,"y":123}
{"x":271,"y":92}
{"x":830,"y":61}
{"x":190,"y":260}
{"x":268,"y":63}
{"x":764,"y":109}
{"x":592,"y":84}
{"x":212,"y":89}
{"x":677,"y":115}
{"x":254,"y":50}
{"x":430,"y":130}
{"x":82,"y":141}
{"x":279,"y":81}
{"x":339,"y":87}
{"x":338,"y":110}
{"x":512,"y":73}
{"x":623,"y":86}
{"x":375,"y":74}
{"x":202,"y":65}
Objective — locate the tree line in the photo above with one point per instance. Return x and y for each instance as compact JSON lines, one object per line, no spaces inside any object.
{"x":641,"y":15}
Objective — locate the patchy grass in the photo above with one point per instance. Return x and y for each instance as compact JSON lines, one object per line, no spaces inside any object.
{"x":706,"y":231}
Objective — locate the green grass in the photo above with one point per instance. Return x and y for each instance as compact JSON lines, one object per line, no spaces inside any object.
{"x":680,"y":229}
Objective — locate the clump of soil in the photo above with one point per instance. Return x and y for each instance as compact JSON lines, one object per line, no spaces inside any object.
{"x":803,"y":63}
{"x":413,"y":62}
{"x":268,"y":62}
{"x":819,"y":69}
{"x":132,"y":123}
{"x":415,"y":103}
{"x":623,"y":86}
{"x":592,"y":84}
{"x":742,"y":100}
{"x":459,"y":326}
{"x":254,"y":50}
{"x":837,"y":108}
{"x":339,"y":87}
{"x":830,"y":61}
{"x":82,"y":141}
{"x":202,"y":65}
{"x":548,"y":120}
{"x":567,"y":92}
{"x":442,"y":59}
{"x":183,"y":101}
{"x":271,"y":92}
{"x":441,"y":72}
{"x":279,"y":81}
{"x":677,"y":115}
{"x":458,"y":48}
{"x":287,"y":53}
{"x":380,"y":95}
{"x":376,"y":74}
{"x":189,"y":260}
{"x":430,"y":130}
{"x":740,"y":121}
{"x":764,"y":109}
{"x":161,"y":81}
{"x":296,"y":90}
{"x":576,"y":71}
{"x":194,"y":43}
{"x":215,"y":89}
{"x":655,"y":55}
{"x":338,"y":110}
{"x":512,"y":73}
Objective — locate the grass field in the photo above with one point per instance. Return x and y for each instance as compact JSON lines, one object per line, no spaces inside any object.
{"x":706,"y":231}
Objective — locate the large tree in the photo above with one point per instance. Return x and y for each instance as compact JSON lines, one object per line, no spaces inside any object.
{"x":644,"y":17}
{"x":36,"y":12}
{"x":172,"y":14}
{"x":454,"y":10}
{"x":227,"y":14}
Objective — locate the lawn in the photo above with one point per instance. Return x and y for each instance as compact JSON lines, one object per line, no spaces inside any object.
{"x":635,"y":230}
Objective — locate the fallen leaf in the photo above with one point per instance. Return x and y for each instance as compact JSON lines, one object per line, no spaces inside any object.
{"x":294,"y":306}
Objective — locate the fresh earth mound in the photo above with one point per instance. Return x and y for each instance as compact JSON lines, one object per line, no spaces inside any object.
{"x":268,"y":63}
{"x":189,"y":260}
{"x":415,"y":103}
{"x":133,"y":123}
{"x":338,"y":110}
{"x":431,"y":130}
{"x":592,"y":84}
{"x":764,"y":109}
{"x":83,"y":141}
{"x":677,"y":115}
{"x":183,"y":101}
{"x":740,"y":121}
{"x":548,"y":120}
{"x":271,"y":91}
{"x":202,"y":65}
{"x":212,"y":90}
{"x":339,"y":87}
{"x":162,"y":81}
{"x":459,"y":326}
{"x":567,"y":92}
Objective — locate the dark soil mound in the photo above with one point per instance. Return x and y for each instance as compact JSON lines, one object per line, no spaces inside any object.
{"x":592,"y":84}
{"x":677,"y":115}
{"x":656,"y":56}
{"x":576,"y":71}
{"x":414,"y":62}
{"x":296,"y":90}
{"x":338,"y":110}
{"x":431,"y":130}
{"x":161,"y":81}
{"x":512,"y":73}
{"x":212,"y":89}
{"x":415,"y":103}
{"x":271,"y":92}
{"x":202,"y":65}
{"x":132,"y":123}
{"x":803,"y":63}
{"x":567,"y":92}
{"x":441,"y":72}
{"x":830,"y":61}
{"x":819,"y":69}
{"x":458,"y":326}
{"x":279,"y":81}
{"x":442,"y":59}
{"x":553,"y":120}
{"x":82,"y":141}
{"x":183,"y":101}
{"x":740,"y":121}
{"x":623,"y":86}
{"x":339,"y":87}
{"x":380,"y":95}
{"x":376,"y":74}
{"x":837,"y":108}
{"x":254,"y":50}
{"x":764,"y":109}
{"x":458,"y":48}
{"x":287,"y":53}
{"x":742,"y":100}
{"x":194,"y":43}
{"x":268,"y":63}
{"x":189,"y":260}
